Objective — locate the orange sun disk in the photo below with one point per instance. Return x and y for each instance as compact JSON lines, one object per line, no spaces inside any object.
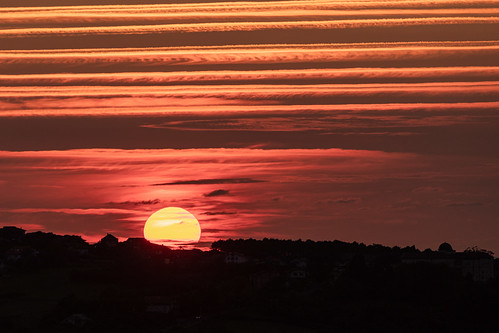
{"x":172,"y":224}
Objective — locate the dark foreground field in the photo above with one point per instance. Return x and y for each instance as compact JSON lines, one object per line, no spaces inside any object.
{"x":53,"y":283}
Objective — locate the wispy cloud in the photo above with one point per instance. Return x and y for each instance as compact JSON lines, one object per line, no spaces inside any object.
{"x":297,"y":76}
{"x":244,"y":26}
{"x":24,"y":101}
{"x":277,"y":56}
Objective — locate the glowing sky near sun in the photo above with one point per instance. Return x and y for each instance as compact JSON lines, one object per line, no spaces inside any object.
{"x":374,"y":121}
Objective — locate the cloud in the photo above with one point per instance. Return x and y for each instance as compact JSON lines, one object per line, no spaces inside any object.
{"x":213,"y":181}
{"x":346,"y":200}
{"x":154,"y":6}
{"x":465,"y":204}
{"x":137,"y":203}
{"x":294,"y":76}
{"x":218,"y":213}
{"x":250,"y":57}
{"x":217,"y":193}
{"x":71,"y":211}
{"x":163,"y":100}
{"x":242,"y":26}
{"x":161,"y":14}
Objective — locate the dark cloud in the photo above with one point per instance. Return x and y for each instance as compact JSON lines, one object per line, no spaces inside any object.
{"x":218,"y":213}
{"x":205,"y":245}
{"x":346,"y":200}
{"x":213,"y":230}
{"x":465,"y":204}
{"x":136,"y":203}
{"x":213,"y":181}
{"x":286,"y":35}
{"x":217,"y":193}
{"x":433,"y":134}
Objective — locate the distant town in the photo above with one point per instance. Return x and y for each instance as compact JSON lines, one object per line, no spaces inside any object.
{"x":61,"y":283}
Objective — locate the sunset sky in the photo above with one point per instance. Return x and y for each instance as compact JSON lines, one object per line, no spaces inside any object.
{"x":368,"y":121}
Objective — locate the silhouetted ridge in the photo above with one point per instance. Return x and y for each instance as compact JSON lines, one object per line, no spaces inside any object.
{"x":55,"y":283}
{"x":269,"y":246}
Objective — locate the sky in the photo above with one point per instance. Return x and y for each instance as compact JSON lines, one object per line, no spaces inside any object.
{"x":368,"y":121}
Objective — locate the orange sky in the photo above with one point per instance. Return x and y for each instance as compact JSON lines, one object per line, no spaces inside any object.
{"x":373,"y":121}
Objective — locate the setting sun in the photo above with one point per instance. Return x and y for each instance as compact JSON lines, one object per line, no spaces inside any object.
{"x":172,"y":224}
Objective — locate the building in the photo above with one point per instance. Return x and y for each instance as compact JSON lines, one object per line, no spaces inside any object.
{"x":235,"y":258}
{"x":109,"y":241}
{"x":158,"y":304}
{"x":476,"y":264}
{"x":297,"y":274}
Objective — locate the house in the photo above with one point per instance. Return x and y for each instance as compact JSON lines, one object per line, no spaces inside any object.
{"x":76,"y":245}
{"x":298,"y":274}
{"x":158,"y":304}
{"x":338,"y":269}
{"x":137,"y":243}
{"x":143,"y":247}
{"x":17,"y":253}
{"x":13,"y":255}
{"x":300,"y":263}
{"x":260,"y":279}
{"x":159,"y":308}
{"x":109,"y":241}
{"x":478,"y":265}
{"x":435,"y":258}
{"x":77,"y":321}
{"x":235,"y":258}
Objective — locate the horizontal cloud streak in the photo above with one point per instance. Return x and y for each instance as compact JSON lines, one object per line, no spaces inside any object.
{"x":201,"y":5}
{"x":211,"y":96}
{"x":304,"y":76}
{"x":111,"y":110}
{"x":213,"y":181}
{"x":244,"y":26}
{"x":266,"y":56}
{"x":78,"y":17}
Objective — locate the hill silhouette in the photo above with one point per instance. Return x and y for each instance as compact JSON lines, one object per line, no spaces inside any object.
{"x":54,"y":283}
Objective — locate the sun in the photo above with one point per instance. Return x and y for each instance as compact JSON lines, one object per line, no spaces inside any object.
{"x":172,"y":224}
